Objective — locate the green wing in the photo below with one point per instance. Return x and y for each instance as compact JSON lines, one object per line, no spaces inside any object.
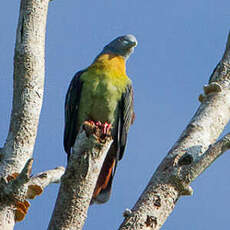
{"x":126,"y":118}
{"x":72,"y":102}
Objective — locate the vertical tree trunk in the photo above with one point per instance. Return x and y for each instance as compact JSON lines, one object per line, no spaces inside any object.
{"x":27,"y":97}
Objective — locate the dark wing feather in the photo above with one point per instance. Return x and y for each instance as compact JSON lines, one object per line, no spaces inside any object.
{"x":72,"y":102}
{"x":126,"y":118}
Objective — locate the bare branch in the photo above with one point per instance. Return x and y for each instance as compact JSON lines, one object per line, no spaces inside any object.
{"x":171,"y":180}
{"x":48,"y":177}
{"x":16,"y":188}
{"x":12,"y":189}
{"x":24,"y":176}
{"x":80,"y":178}
{"x":191,"y":171}
{"x":28,"y":86}
{"x":37,"y":183}
{"x":12,"y":186}
{"x":27,"y":101}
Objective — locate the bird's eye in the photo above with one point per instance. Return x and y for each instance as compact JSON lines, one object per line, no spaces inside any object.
{"x":125,"y":42}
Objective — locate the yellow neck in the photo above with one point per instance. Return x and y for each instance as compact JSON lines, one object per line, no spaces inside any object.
{"x":112,"y":63}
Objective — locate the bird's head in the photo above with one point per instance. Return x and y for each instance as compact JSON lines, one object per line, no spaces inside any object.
{"x":123,"y":46}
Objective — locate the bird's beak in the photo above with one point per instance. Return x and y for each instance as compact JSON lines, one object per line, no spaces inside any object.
{"x":134,"y":43}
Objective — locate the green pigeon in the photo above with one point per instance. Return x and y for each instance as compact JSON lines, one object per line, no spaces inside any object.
{"x":103,"y":94}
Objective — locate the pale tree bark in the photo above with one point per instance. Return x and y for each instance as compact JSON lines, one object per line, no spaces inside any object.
{"x":16,"y":185}
{"x":84,"y":165}
{"x":80,"y":179}
{"x":194,"y":151}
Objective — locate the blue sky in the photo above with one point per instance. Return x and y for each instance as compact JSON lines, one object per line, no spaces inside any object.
{"x":180,"y":42}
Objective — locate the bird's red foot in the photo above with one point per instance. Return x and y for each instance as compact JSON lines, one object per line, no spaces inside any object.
{"x":105,"y":127}
{"x":98,"y":123}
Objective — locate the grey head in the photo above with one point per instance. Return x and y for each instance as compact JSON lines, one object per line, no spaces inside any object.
{"x":123,"y":46}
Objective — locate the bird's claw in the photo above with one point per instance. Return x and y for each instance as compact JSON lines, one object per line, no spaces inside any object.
{"x":105,"y":127}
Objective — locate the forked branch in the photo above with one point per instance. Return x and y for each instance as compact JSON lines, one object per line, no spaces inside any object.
{"x":194,"y":151}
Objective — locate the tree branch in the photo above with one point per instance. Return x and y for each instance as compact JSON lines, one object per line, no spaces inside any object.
{"x":79,"y":180}
{"x":190,"y":172}
{"x":28,"y":85}
{"x":39,"y":182}
{"x":190,"y":152}
{"x":16,"y":188}
{"x":22,"y":186}
{"x":43,"y":179}
{"x":27,"y":97}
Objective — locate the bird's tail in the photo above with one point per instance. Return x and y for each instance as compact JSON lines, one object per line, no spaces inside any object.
{"x":103,"y":187}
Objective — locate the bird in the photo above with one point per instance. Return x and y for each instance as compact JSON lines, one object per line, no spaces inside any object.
{"x":103,"y":93}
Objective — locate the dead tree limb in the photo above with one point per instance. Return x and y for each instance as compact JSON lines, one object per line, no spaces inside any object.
{"x":79,"y":180}
{"x":194,"y":151}
{"x":15,"y":156}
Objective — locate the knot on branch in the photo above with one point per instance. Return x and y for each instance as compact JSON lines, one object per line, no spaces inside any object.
{"x":151,"y":221}
{"x":127,"y":213}
{"x":220,"y":76}
{"x":18,"y":187}
{"x":14,"y":189}
{"x":179,"y":176}
{"x":186,"y":159}
{"x":212,"y":87}
{"x":183,"y":188}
